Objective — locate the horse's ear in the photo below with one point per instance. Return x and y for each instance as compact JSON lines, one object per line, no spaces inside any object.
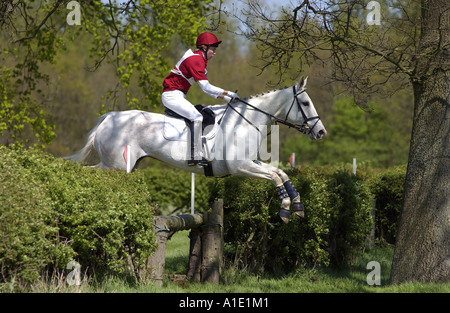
{"x":302,"y":83}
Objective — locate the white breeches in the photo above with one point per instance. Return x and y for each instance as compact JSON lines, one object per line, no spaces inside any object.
{"x":176,"y":101}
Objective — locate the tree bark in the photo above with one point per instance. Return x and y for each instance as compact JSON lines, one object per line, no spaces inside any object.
{"x":422,"y":250}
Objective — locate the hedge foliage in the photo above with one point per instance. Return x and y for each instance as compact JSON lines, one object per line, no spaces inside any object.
{"x":170,"y":190}
{"x":53,"y":211}
{"x":387,"y":188}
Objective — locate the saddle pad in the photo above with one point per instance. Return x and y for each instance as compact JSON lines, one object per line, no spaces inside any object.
{"x":174,"y":128}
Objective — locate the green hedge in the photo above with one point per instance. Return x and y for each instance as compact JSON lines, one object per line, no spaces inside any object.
{"x":53,"y":211}
{"x":387,"y":189}
{"x":170,"y":190}
{"x":336,"y":227}
{"x":349,"y":200}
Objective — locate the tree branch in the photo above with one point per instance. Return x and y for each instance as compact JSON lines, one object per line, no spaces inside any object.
{"x":376,"y":52}
{"x":58,"y":3}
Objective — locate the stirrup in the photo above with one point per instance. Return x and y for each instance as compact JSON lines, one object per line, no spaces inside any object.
{"x":203,"y":162}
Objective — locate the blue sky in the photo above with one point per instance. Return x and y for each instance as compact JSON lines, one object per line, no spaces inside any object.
{"x":281,"y":2}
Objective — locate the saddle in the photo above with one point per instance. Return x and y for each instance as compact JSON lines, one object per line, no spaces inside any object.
{"x":209,"y":117}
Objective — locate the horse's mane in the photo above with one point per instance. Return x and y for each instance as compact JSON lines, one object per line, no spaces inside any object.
{"x":264,"y":93}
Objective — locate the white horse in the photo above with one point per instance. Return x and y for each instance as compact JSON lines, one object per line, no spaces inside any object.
{"x":233,"y":144}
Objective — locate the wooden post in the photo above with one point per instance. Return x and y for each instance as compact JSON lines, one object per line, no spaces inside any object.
{"x":156,"y":263}
{"x":212,"y":244}
{"x":195,"y":255}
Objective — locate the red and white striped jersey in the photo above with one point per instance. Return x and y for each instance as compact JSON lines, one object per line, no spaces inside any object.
{"x":189,"y":69}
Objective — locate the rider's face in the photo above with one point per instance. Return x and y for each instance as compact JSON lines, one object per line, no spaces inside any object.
{"x":211,"y":53}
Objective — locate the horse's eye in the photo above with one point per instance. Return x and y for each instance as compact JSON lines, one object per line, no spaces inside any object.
{"x":305,"y":103}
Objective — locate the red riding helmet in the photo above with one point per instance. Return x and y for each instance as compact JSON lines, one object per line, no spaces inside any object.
{"x":207,"y":39}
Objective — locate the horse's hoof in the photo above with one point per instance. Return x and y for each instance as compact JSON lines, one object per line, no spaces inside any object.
{"x":284,"y":215}
{"x":299,"y":209}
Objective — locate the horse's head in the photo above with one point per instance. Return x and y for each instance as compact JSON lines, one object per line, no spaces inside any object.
{"x":303,"y":113}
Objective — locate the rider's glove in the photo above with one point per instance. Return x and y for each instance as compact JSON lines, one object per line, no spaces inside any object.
{"x":233,"y":95}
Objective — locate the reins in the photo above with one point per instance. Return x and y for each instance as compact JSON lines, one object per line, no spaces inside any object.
{"x":304,"y":128}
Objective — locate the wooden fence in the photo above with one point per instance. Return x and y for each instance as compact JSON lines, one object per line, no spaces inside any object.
{"x":206,"y":244}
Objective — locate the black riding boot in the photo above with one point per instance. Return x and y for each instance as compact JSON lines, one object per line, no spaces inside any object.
{"x":196,"y":145}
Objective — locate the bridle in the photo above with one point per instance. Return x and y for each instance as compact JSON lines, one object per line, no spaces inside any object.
{"x":303,"y":128}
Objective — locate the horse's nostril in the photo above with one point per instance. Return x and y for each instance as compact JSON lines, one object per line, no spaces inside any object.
{"x":320,"y":134}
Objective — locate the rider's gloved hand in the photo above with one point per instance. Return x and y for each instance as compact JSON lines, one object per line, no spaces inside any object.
{"x":233,"y":95}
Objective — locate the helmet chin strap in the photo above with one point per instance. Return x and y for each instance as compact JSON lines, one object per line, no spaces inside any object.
{"x":205,"y":51}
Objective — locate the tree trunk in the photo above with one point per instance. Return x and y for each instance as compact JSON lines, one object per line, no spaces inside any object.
{"x":422,"y":250}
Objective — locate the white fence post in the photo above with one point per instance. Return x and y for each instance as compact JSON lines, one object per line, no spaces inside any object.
{"x":192,"y":193}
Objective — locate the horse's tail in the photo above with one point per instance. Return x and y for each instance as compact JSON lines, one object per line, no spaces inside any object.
{"x":88,"y":151}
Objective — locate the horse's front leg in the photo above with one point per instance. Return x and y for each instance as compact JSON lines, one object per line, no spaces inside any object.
{"x":279,"y":179}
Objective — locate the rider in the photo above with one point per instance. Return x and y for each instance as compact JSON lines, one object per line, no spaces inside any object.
{"x":189,"y":69}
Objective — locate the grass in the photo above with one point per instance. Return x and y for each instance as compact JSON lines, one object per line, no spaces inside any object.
{"x":304,"y":280}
